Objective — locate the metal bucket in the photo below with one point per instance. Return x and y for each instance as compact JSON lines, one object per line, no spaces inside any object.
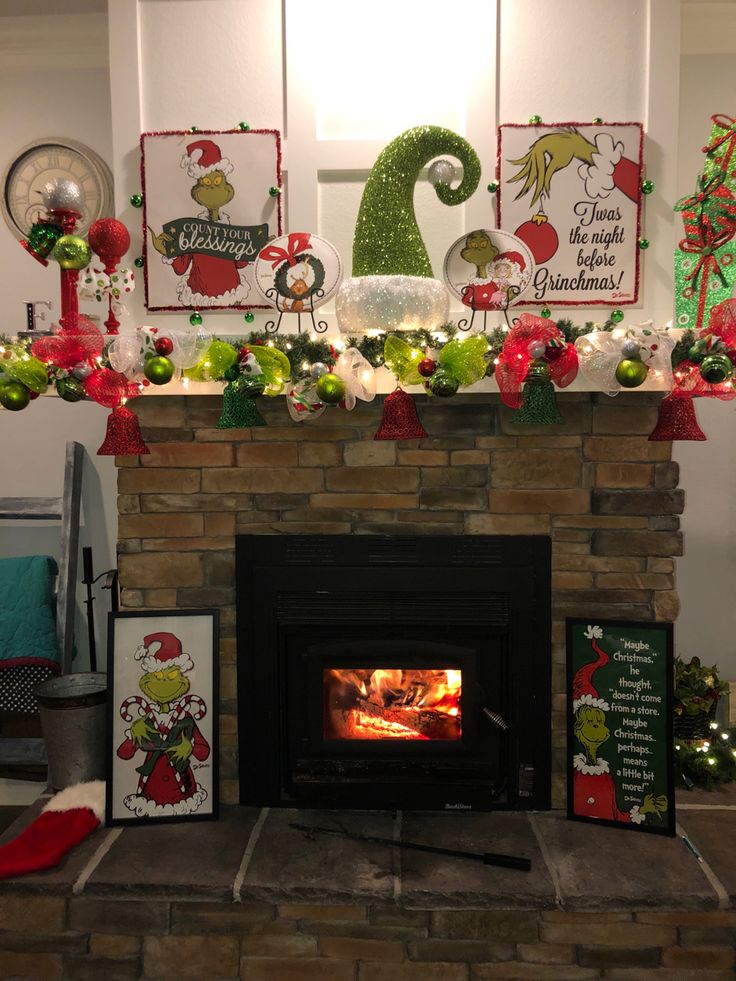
{"x":73,"y":719}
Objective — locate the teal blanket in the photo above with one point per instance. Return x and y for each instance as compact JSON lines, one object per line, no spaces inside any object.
{"x":28,"y":612}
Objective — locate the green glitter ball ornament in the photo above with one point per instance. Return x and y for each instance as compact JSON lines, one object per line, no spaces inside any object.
{"x":194,"y":129}
{"x":248,"y":317}
{"x":138,"y":262}
{"x":716,"y":369}
{"x":136,"y":200}
{"x":617,"y":316}
{"x":545,"y":312}
{"x":14,"y":396}
{"x":535,"y":120}
{"x":443,"y":384}
{"x":598,"y":120}
{"x":195,"y":319}
{"x":72,"y":252}
{"x":330,"y":389}
{"x":274,"y":191}
{"x":631,"y":372}
{"x":70,"y":389}
{"x":492,"y":187}
{"x":647,"y":187}
{"x":159,"y":370}
{"x":244,"y":127}
{"x":643,"y":243}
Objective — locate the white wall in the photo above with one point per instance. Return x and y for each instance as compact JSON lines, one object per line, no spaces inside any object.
{"x":706,"y":574}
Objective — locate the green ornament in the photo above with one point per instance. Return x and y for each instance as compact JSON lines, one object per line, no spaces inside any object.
{"x":598,"y":120}
{"x":14,"y":396}
{"x":716,"y":368}
{"x":631,"y":372}
{"x":492,"y":186}
{"x":239,"y":411}
{"x":535,"y":120}
{"x":248,"y":317}
{"x":72,"y":252}
{"x":387,"y":238}
{"x":244,"y":127}
{"x":138,"y":262}
{"x":545,"y":312}
{"x":539,"y":405}
{"x":194,"y":129}
{"x":617,"y":316}
{"x":697,"y":351}
{"x":647,"y":187}
{"x":42,"y":238}
{"x":136,"y":200}
{"x":274,"y":191}
{"x":232,"y":373}
{"x":330,"y":388}
{"x":195,"y":319}
{"x":159,"y":370}
{"x":70,"y":389}
{"x":443,"y":384}
{"x":643,"y":243}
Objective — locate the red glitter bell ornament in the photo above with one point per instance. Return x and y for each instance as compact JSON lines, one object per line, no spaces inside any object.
{"x":123,"y":437}
{"x":400,"y":419}
{"x":677,"y":420}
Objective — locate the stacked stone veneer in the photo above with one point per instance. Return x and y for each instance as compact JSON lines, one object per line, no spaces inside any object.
{"x":606,"y":495}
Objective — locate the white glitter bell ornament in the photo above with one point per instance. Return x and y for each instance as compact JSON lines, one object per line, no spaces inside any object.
{"x":393,"y":286}
{"x":62,"y":194}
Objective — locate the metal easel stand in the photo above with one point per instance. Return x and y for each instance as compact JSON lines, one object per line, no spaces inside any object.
{"x":466,"y":325}
{"x":111,"y":583}
{"x":272,"y":326}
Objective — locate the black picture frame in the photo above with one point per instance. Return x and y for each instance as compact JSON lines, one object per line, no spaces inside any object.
{"x":667,"y":826}
{"x":154,"y":621}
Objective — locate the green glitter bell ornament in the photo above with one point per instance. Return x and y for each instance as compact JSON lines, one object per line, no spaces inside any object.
{"x":539,"y":405}
{"x":716,"y":369}
{"x":239,"y":410}
{"x":14,"y":396}
{"x":159,"y":370}
{"x":393,"y":285}
{"x":631,"y":372}
{"x":443,"y":384}
{"x":330,"y":389}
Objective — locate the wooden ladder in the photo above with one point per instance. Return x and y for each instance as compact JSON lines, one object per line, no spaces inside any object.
{"x":67,"y":510}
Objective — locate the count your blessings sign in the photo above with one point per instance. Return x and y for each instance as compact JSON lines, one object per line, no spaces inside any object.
{"x":572,"y":193}
{"x":207,"y":214}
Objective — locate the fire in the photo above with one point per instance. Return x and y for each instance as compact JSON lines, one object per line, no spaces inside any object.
{"x":393,"y":703}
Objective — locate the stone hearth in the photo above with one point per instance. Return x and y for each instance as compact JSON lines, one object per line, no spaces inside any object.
{"x":606,"y":496}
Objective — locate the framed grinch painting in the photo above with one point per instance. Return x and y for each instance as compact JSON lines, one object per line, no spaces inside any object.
{"x":162,"y":716}
{"x":211,"y":201}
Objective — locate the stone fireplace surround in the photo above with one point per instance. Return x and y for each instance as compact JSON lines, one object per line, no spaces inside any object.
{"x":606,"y":496}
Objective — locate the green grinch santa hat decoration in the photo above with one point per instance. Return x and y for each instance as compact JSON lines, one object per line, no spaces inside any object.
{"x":393,"y":286}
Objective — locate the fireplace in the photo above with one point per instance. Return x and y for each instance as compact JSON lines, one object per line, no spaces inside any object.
{"x":392,"y":671}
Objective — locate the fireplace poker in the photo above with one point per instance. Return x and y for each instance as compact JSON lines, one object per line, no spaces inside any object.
{"x":487,"y":858}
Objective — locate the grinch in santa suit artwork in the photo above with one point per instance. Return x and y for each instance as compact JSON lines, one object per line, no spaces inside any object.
{"x":207,"y":280}
{"x":165,"y":730}
{"x":594,"y":791}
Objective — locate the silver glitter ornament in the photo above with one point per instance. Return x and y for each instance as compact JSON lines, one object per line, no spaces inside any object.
{"x":441,"y":172}
{"x":62,"y":194}
{"x":318,"y":369}
{"x":537,"y":349}
{"x":630,"y":349}
{"x":82,"y":370}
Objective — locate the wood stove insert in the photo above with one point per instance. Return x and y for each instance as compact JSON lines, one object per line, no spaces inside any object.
{"x":382,"y":671}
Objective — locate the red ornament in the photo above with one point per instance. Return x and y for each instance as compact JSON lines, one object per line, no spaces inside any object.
{"x":427,"y":367}
{"x":110,"y":239}
{"x":164,"y":346}
{"x":245,"y":351}
{"x":400,"y":419}
{"x":123,"y":437}
{"x":540,"y":237}
{"x":677,"y":420}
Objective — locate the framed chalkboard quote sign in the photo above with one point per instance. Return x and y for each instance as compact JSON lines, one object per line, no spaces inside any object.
{"x":620,"y":741}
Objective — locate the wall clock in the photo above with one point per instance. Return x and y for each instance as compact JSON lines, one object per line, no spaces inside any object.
{"x":43,"y":160}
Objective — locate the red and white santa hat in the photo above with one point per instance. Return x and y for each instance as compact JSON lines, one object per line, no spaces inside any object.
{"x":210,"y":158}
{"x":516,"y":257}
{"x":584,"y":691}
{"x":168,"y":655}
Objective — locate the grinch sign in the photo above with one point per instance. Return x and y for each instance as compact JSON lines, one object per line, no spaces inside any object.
{"x":572,"y":193}
{"x":211,"y":203}
{"x":620,"y":744}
